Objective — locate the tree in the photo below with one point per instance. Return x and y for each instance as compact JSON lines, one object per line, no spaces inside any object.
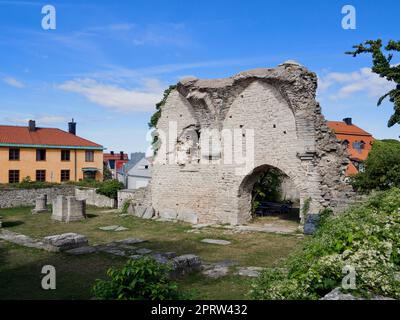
{"x":383,"y":67}
{"x":382,"y":167}
{"x":107,"y":174}
{"x":267,"y":187}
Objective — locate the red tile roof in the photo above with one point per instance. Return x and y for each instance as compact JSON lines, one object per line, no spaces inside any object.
{"x":352,"y":134}
{"x":115,"y":156}
{"x":340,"y":127}
{"x":20,"y":135}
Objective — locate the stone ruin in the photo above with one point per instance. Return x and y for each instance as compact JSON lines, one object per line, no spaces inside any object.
{"x":67,"y":209}
{"x":273,"y":111}
{"x":40,"y":204}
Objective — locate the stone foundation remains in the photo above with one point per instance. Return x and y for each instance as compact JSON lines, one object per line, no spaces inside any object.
{"x":67,"y":209}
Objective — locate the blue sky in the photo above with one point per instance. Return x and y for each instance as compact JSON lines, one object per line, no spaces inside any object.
{"x":107,"y":62}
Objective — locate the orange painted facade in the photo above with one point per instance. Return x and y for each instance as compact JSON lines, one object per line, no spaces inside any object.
{"x":47,"y":154}
{"x":27,"y":164}
{"x":359,"y":143}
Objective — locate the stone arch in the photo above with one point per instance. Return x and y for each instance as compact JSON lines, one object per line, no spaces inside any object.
{"x":245,"y":188}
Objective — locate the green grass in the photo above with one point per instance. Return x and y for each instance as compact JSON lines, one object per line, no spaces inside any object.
{"x":20,"y":267}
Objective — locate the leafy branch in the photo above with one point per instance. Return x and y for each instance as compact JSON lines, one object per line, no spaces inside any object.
{"x":383,"y":67}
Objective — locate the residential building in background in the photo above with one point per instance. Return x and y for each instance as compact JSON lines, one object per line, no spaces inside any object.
{"x":115,"y":161}
{"x":357,"y":140}
{"x":137,"y":172}
{"x":47,"y":154}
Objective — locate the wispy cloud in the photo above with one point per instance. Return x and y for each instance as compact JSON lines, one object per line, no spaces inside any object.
{"x":116,"y":97}
{"x":337,"y":85}
{"x":40,"y":119}
{"x":13,"y":82}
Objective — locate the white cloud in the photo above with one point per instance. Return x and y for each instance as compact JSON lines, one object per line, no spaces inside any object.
{"x":344,"y":85}
{"x":40,"y":119}
{"x":115,"y":97}
{"x":13,"y":82}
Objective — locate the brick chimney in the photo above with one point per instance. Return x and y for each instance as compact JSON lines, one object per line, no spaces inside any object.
{"x":72,"y":127}
{"x":348,"y":121}
{"x":32,"y":125}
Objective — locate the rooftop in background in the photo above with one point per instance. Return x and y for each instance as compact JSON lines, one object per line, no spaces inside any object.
{"x":359,"y":142}
{"x":32,"y":136}
{"x":115,"y":156}
{"x":347,"y":127}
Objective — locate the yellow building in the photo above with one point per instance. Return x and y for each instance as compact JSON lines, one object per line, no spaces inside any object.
{"x":47,"y":154}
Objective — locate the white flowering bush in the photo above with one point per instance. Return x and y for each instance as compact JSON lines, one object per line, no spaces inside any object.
{"x":365,"y":237}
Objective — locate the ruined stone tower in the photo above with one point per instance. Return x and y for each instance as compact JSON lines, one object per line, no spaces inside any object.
{"x":217,"y":136}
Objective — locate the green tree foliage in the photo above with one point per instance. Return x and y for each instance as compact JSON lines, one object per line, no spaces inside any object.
{"x":142,"y":279}
{"x":365,"y":237}
{"x":383,"y":67}
{"x":110,"y":188}
{"x":156,"y":116}
{"x":107,"y":175}
{"x":382,"y":167}
{"x":267,"y":187}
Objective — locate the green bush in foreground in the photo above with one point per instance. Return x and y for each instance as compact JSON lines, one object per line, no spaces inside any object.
{"x":365,"y":237}
{"x":142,"y":279}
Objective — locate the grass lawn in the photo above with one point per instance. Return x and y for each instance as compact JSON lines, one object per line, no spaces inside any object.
{"x":20,"y":268}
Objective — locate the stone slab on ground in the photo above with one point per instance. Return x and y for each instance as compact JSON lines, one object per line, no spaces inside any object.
{"x":65,"y":241}
{"x":120,"y":228}
{"x":185,"y":264}
{"x":252,"y":272}
{"x":131,"y":241}
{"x":113,"y":228}
{"x":216,"y":271}
{"x":160,"y":258}
{"x":216,"y":241}
{"x":82,"y":250}
{"x":21,"y":239}
{"x":143,"y":251}
{"x":112,"y":250}
{"x":108,"y":228}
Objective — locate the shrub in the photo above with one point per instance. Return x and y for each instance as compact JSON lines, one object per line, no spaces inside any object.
{"x":142,"y":279}
{"x":27,"y":183}
{"x":382,"y":167}
{"x":364,"y":237}
{"x":110,"y":188}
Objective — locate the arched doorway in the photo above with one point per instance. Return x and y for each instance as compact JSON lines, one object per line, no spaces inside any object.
{"x":270,"y":195}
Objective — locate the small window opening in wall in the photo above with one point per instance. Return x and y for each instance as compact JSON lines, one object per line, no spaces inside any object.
{"x":284,"y":132}
{"x":241,"y":96}
{"x":180,"y":115}
{"x":274,"y":126}
{"x":241,"y":126}
{"x":243,"y":134}
{"x":210,"y":157}
{"x":230,"y":117}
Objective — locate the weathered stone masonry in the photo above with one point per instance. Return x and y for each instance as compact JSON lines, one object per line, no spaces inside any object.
{"x":289,"y":133}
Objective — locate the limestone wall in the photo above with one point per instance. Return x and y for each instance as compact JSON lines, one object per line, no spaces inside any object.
{"x":94,"y":199}
{"x":26,"y":197}
{"x":276,"y":110}
{"x":137,"y":196}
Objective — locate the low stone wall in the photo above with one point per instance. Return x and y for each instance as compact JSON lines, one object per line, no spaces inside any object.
{"x":94,"y":199}
{"x":137,"y":196}
{"x":10,"y":198}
